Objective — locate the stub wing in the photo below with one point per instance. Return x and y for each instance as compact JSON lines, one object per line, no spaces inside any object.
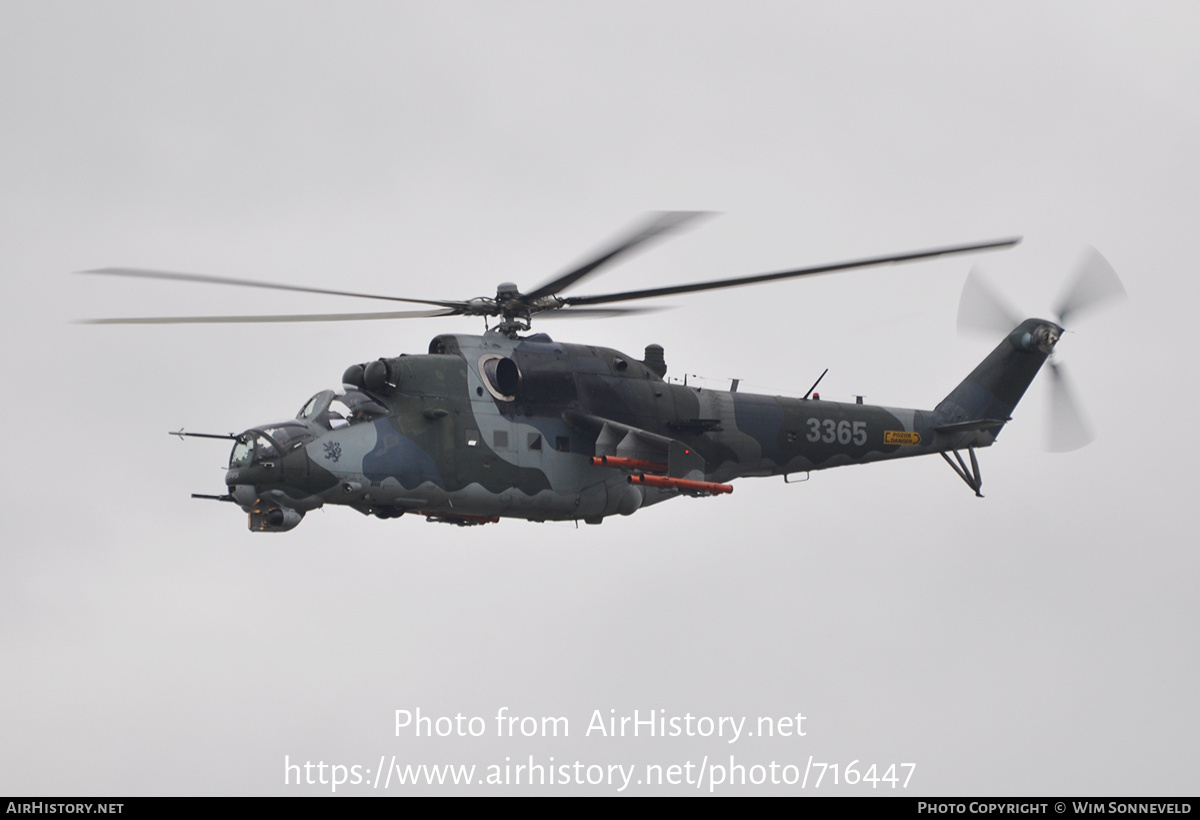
{"x":624,"y":441}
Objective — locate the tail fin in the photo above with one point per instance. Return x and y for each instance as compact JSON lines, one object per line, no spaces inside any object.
{"x":993,"y":388}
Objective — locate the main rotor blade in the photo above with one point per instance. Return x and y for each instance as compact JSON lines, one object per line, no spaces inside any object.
{"x":1068,"y":430}
{"x":658,"y":225}
{"x":253,"y":283}
{"x":981,"y":310}
{"x":789,"y":274}
{"x":299,"y":317}
{"x":598,"y":313}
{"x":1095,"y":282}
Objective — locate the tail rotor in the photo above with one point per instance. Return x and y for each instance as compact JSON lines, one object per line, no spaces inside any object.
{"x":982,"y":310}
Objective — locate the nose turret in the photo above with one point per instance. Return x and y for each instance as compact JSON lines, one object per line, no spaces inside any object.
{"x":270,"y":518}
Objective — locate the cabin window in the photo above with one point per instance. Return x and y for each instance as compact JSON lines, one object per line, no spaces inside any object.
{"x":535,"y":441}
{"x":500,"y":439}
{"x":472,"y":438}
{"x":562,"y":444}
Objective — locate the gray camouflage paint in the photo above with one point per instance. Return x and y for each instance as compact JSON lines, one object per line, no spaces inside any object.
{"x":489,"y":426}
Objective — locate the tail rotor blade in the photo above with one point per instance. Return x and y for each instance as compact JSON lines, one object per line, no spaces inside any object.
{"x":981,"y":310}
{"x":1068,"y":430}
{"x":1095,"y":283}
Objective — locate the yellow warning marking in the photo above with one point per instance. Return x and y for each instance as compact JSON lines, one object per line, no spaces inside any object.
{"x":901,"y":437}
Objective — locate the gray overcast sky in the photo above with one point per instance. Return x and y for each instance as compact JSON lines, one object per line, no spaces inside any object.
{"x":1040,"y":641}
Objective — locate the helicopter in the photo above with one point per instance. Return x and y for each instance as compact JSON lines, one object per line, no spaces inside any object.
{"x":513,"y":424}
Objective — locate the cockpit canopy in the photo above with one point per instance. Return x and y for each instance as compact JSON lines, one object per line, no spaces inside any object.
{"x":325,"y":411}
{"x":333,"y":410}
{"x":267,"y":443}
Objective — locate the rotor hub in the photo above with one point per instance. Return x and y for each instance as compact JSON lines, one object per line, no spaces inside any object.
{"x":1043,"y":337}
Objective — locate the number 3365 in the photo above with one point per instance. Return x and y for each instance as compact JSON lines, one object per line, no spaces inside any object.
{"x":842,"y":432}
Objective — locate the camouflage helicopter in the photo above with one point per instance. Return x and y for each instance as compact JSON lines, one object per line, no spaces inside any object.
{"x":512,"y":424}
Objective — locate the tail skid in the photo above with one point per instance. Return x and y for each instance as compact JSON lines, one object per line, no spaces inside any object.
{"x":972,"y":476}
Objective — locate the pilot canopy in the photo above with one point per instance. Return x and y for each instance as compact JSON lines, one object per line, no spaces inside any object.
{"x":332,"y":410}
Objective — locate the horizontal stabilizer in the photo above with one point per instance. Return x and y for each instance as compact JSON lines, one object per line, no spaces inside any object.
{"x":971,"y":426}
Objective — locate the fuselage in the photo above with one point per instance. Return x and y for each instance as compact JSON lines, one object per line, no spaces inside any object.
{"x":484,"y":427}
